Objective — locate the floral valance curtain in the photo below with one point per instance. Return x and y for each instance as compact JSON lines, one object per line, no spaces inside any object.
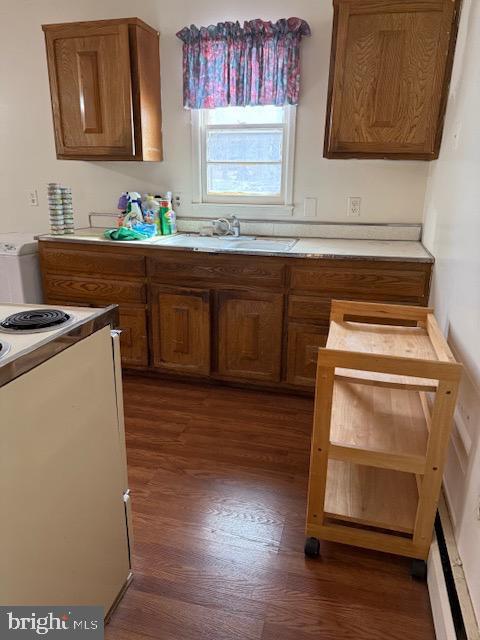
{"x":230,"y":65}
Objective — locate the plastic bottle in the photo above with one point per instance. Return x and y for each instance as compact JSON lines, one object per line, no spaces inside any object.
{"x":150,"y":208}
{"x":167,"y":215}
{"x":171,"y":213}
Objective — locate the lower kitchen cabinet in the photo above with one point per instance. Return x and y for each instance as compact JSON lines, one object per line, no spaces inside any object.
{"x":302,"y":350}
{"x":223,"y":317}
{"x":132,"y":324}
{"x":133,"y":338}
{"x":249,"y":335}
{"x":180,"y":324}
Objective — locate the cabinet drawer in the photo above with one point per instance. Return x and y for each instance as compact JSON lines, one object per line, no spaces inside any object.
{"x":302,"y":351}
{"x":386,"y":281}
{"x":309,"y":308}
{"x":231,"y":270}
{"x":93,"y":290}
{"x":91,"y":262}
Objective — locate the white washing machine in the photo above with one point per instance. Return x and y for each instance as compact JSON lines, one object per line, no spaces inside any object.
{"x":20,"y":279}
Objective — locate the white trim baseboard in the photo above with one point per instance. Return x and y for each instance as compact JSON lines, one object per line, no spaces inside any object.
{"x":437,"y":588}
{"x":440,"y":602}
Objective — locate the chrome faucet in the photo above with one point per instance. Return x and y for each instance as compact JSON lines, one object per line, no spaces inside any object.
{"x":227,"y":227}
{"x":235,"y":226}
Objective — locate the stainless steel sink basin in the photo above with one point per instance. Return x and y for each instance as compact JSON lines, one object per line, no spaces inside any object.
{"x":228,"y":243}
{"x":194,"y":241}
{"x":263,"y":244}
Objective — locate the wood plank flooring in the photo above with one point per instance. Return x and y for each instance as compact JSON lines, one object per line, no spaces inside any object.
{"x":218,"y":479}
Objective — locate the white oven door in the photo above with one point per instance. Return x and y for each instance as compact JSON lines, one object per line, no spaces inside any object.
{"x":63,"y":537}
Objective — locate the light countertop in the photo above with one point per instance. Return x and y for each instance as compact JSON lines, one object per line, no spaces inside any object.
{"x":379,"y":249}
{"x":405,"y":250}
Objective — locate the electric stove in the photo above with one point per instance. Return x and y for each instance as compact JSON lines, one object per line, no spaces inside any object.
{"x":24,"y":328}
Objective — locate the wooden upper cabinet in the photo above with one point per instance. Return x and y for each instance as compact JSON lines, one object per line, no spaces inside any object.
{"x":389,"y":77}
{"x":105,"y":89}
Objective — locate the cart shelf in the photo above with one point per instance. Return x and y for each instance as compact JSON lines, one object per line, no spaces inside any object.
{"x":378,"y":426}
{"x":383,"y":339}
{"x":379,"y":498}
{"x":378,"y":446}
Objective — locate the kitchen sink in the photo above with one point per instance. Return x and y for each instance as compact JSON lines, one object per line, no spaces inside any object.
{"x":263,"y":244}
{"x":228,"y":243}
{"x":194,"y":241}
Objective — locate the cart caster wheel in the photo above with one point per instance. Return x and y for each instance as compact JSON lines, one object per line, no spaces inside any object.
{"x":419,"y":570}
{"x":312,"y":547}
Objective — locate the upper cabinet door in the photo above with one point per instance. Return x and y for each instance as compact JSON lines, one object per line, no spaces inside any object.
{"x":91,"y":89}
{"x":389,"y":77}
{"x":104,"y":107}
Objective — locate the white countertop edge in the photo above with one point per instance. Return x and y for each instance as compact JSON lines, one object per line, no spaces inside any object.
{"x":405,"y":250}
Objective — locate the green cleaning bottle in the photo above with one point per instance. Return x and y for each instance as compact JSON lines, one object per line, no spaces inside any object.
{"x":167,"y":216}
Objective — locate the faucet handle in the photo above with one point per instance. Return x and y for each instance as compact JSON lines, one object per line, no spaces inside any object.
{"x":235,"y":225}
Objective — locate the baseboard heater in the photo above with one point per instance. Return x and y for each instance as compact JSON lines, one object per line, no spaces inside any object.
{"x":452,"y":609}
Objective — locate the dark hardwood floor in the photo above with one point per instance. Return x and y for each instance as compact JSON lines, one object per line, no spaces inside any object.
{"x":218,"y":479}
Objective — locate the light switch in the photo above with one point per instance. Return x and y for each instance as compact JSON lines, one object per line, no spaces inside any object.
{"x":310,"y":207}
{"x":33,"y":198}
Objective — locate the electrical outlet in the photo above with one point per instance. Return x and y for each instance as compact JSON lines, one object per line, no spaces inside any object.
{"x":177,"y":200}
{"x":33,"y":198}
{"x":353,"y":206}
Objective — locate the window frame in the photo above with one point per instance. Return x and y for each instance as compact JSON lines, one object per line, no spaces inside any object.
{"x":199,"y":142}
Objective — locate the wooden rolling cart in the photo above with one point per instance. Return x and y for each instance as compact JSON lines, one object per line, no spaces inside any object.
{"x":385,"y":397}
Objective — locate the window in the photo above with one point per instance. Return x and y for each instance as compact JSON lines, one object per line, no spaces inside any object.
{"x":244,"y":155}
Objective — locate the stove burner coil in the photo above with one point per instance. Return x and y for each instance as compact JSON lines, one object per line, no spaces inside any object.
{"x":4,"y":349}
{"x":34,"y":320}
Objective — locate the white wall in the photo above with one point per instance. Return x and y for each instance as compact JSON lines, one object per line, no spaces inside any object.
{"x":391,"y":191}
{"x":452,"y":233}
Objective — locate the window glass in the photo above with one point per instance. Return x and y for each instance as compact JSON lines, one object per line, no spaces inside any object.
{"x":244,"y":155}
{"x":245,"y":115}
{"x":244,"y":179}
{"x":243,"y":145}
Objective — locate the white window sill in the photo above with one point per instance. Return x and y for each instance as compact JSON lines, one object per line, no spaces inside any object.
{"x":242,"y":211}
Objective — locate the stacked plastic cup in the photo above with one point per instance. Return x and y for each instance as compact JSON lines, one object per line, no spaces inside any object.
{"x":55,"y":206}
{"x":67,"y":207}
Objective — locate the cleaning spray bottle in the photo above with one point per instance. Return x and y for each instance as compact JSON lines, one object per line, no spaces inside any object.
{"x":150,"y":211}
{"x":167,"y":215}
